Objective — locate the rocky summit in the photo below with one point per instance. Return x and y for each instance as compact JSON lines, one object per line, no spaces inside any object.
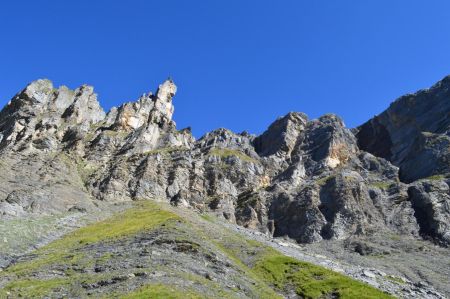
{"x":125,"y":204}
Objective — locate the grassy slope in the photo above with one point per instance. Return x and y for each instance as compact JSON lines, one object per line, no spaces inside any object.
{"x":271,"y":273}
{"x":160,"y":291}
{"x":21,"y":234}
{"x":225,"y":153}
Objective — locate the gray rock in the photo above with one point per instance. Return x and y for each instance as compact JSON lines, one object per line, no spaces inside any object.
{"x":431,"y":203}
{"x":413,"y":133}
{"x":308,"y":180}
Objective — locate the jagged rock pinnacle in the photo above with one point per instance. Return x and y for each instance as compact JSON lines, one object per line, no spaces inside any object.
{"x":167,"y":90}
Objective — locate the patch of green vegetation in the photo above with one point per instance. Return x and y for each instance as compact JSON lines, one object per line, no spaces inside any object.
{"x":145,"y":216}
{"x":159,"y":291}
{"x":207,"y":217}
{"x":86,"y":170}
{"x":2,"y":164}
{"x":349,"y":178}
{"x":89,"y":137}
{"x":216,"y":290}
{"x":73,"y":161}
{"x":17,"y":235}
{"x":97,"y":125}
{"x":269,"y":268}
{"x":243,"y":253}
{"x":267,"y":272}
{"x":323,"y":181}
{"x":381,"y":185}
{"x":251,"y":200}
{"x":310,"y":281}
{"x":65,"y":158}
{"x":93,"y":131}
{"x":395,"y":279}
{"x":165,"y":150}
{"x":29,"y":288}
{"x":104,"y":258}
{"x":436,"y":177}
{"x":111,"y":133}
{"x":394,"y":237}
{"x":225,"y":153}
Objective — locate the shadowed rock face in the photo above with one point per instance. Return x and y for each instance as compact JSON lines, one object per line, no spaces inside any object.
{"x":413,"y":133}
{"x":282,"y":135}
{"x":306,"y":179}
{"x":431,"y":204}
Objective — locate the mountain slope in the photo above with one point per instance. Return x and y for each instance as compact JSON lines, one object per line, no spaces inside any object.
{"x":376,"y":195}
{"x":155,"y":249}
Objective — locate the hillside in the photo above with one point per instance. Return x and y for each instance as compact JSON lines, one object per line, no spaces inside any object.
{"x":153,"y":250}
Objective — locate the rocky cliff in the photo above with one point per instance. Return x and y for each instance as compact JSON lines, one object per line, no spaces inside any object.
{"x":413,"y":133}
{"x":309,"y":180}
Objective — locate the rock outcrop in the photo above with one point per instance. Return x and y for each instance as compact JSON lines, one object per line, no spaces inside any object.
{"x":309,"y":180}
{"x":413,"y":133}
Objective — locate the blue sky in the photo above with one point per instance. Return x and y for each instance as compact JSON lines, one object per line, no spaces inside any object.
{"x":238,"y":64}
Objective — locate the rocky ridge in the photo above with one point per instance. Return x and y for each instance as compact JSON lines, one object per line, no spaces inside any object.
{"x":307,"y":180}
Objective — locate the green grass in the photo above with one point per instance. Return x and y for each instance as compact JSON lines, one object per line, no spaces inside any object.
{"x":86,"y":171}
{"x":225,"y":153}
{"x":74,"y":162}
{"x":323,"y":181}
{"x":3,"y":164}
{"x":282,"y":273}
{"x":145,"y":216}
{"x":435,"y":177}
{"x":159,"y":291}
{"x":29,"y":288}
{"x":395,"y":279}
{"x":308,"y":280}
{"x":97,"y":125}
{"x":395,"y":237}
{"x":68,"y":252}
{"x":17,"y":235}
{"x":165,"y":150}
{"x":269,"y":272}
{"x":249,"y":200}
{"x":272,"y":271}
{"x":207,"y":217}
{"x":213,"y":286}
{"x":381,"y":185}
{"x":261,"y":289}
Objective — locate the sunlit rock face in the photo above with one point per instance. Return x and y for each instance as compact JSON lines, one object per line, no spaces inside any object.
{"x":40,"y":116}
{"x":308,"y":179}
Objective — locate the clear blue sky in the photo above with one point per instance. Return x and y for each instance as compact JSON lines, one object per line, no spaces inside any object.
{"x":238,"y":64}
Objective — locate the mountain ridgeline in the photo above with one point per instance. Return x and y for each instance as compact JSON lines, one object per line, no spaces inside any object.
{"x":309,"y":180}
{"x":164,"y":215}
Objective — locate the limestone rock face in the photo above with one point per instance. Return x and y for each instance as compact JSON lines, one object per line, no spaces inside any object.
{"x":40,"y":116}
{"x":431,"y":203}
{"x":413,"y":133}
{"x":281,"y":137}
{"x":309,"y":180}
